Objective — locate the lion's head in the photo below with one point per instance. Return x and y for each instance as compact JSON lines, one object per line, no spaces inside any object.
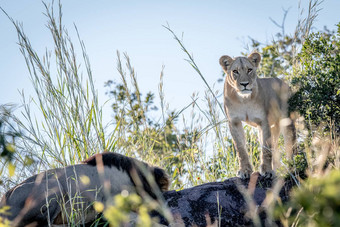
{"x":241,"y":72}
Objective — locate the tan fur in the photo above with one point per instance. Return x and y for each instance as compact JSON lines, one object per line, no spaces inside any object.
{"x":260,"y":102}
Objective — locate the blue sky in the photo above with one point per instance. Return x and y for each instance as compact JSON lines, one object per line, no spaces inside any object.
{"x":211,"y":29}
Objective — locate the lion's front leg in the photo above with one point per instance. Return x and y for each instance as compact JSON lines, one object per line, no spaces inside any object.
{"x":266,"y":147}
{"x":237,"y":133}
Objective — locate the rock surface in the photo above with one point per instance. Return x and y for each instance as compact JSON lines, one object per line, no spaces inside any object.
{"x":223,"y":203}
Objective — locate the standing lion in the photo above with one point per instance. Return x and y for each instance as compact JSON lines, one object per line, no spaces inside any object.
{"x":260,"y":102}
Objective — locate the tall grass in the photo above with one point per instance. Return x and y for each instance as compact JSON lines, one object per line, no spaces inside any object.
{"x":67,"y":124}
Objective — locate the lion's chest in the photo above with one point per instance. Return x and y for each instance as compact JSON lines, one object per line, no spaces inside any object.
{"x":251,"y":113}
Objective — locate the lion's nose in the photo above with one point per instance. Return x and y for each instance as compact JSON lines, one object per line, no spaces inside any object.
{"x":244,"y":84}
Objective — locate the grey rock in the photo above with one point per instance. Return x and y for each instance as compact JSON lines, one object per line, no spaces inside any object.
{"x":223,"y":203}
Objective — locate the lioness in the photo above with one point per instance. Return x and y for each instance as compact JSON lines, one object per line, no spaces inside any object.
{"x":65,"y":196}
{"x":260,"y":102}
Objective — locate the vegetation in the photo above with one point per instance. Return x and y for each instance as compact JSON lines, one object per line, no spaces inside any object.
{"x":318,"y":81}
{"x":7,"y":137}
{"x":67,"y":127}
{"x":315,"y":203}
{"x":140,"y":135}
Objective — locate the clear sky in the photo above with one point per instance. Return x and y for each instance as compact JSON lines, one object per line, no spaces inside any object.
{"x":211,"y":29}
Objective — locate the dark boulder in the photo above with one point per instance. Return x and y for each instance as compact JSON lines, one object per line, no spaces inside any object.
{"x":224,"y":203}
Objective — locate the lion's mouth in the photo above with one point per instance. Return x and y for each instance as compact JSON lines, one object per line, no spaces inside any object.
{"x":246,"y":91}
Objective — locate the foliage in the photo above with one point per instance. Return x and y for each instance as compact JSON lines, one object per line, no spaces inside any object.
{"x":129,"y":208}
{"x":318,"y":81}
{"x":3,"y":221}
{"x":317,"y":201}
{"x":7,"y":136}
{"x":297,"y":168}
{"x":138,"y":134}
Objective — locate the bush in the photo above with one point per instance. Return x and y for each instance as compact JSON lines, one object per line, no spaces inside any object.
{"x":317,"y":201}
{"x":317,"y":81}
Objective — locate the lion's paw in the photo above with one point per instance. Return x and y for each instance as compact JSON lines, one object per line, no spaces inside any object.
{"x":266,"y":171}
{"x":268,"y":174}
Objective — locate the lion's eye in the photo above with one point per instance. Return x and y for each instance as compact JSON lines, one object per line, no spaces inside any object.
{"x":235,"y":71}
{"x":249,"y":70}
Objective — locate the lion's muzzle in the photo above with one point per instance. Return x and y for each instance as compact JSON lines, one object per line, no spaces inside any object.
{"x":245,"y":88}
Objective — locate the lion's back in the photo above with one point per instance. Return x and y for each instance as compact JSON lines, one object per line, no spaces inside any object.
{"x":275,"y":94}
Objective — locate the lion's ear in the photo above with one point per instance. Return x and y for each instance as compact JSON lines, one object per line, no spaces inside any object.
{"x":225,"y":62}
{"x":255,"y":58}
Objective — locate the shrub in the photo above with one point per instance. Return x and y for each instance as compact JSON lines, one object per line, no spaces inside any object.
{"x":317,"y":201}
{"x":318,"y":82}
